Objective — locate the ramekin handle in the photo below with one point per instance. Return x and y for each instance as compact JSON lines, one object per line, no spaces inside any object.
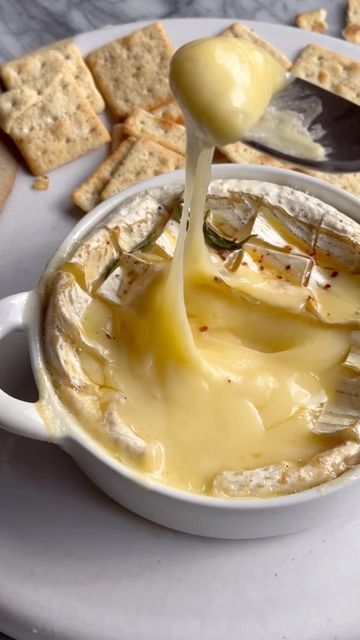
{"x":17,"y":416}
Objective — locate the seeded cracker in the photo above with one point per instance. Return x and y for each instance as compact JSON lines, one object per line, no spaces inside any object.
{"x":352,"y":28}
{"x":87,"y":195}
{"x":238,"y":30}
{"x":142,"y":124}
{"x":59,"y":128}
{"x":243,"y":154}
{"x":330,"y":70}
{"x":170,"y":111}
{"x":144,"y":160}
{"x":35,"y":67}
{"x":133,"y":71}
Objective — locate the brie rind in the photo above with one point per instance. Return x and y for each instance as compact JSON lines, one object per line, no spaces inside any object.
{"x":137,"y":222}
{"x":353,"y":357}
{"x":83,"y":404}
{"x":284,"y":478}
{"x":149,"y":455}
{"x":66,"y":311}
{"x":165,"y":244}
{"x":291,"y":267}
{"x":343,"y":412}
{"x":94,"y":257}
{"x":64,"y":360}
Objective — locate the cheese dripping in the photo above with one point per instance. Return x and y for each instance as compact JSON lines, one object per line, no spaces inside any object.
{"x":223,"y":86}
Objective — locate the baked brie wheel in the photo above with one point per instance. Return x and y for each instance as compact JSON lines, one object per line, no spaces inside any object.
{"x":276,"y":248}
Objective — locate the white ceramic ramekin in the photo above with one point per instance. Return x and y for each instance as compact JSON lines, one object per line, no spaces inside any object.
{"x":201,"y":515}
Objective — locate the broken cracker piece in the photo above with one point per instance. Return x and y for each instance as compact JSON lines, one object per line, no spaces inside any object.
{"x":41,"y":183}
{"x":142,"y":124}
{"x":330,"y":70}
{"x":312,"y":20}
{"x":60,"y":127}
{"x":144,"y":160}
{"x":133,"y":71}
{"x":34,"y":69}
{"x":352,"y":27}
{"x":238,"y":30}
{"x":87,"y":195}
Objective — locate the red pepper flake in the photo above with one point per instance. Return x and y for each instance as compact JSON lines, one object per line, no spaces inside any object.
{"x":334,"y":274}
{"x":312,"y":253}
{"x":223,"y":255}
{"x":108,"y":335}
{"x":244,"y":264}
{"x":288,"y":267}
{"x":279,"y":277}
{"x":203,"y":328}
{"x":327,"y":286}
{"x":261,"y":268}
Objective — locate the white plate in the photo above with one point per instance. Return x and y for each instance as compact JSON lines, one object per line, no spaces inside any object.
{"x":76,"y":566}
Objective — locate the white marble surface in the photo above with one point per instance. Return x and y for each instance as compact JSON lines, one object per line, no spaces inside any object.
{"x":25,"y":24}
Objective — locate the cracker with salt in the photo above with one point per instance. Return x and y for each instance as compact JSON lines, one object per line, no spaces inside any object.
{"x":244,"y":154}
{"x":133,"y":71}
{"x":238,"y":30}
{"x":35,"y":68}
{"x":58,"y":128}
{"x":87,"y":195}
{"x":144,"y":160}
{"x":330,"y":70}
{"x":170,"y":111}
{"x":352,"y":27}
{"x":142,"y":124}
{"x":312,"y":20}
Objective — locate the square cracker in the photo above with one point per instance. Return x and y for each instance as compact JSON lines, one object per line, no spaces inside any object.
{"x":330,"y":70}
{"x":170,"y":111}
{"x":58,"y":128}
{"x":35,"y":67}
{"x":238,"y":30}
{"x":244,"y":154}
{"x":144,"y":160}
{"x":142,"y":124}
{"x":87,"y":195}
{"x":352,"y":28}
{"x":133,"y":71}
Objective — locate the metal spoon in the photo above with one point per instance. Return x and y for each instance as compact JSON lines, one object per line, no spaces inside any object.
{"x":332,"y":121}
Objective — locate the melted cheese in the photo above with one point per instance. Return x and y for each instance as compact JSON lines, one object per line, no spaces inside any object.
{"x":202,"y":362}
{"x":225,"y":85}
